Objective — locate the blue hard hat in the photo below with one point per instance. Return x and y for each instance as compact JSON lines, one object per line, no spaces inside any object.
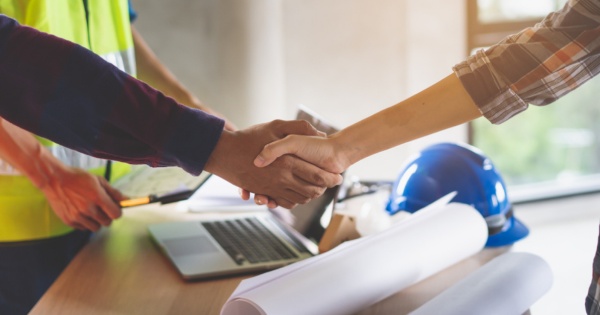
{"x":446,"y":167}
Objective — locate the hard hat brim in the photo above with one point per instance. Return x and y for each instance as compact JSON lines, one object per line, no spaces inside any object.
{"x":516,"y":230}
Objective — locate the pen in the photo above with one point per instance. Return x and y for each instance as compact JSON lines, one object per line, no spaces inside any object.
{"x":164,"y":199}
{"x":137,"y":201}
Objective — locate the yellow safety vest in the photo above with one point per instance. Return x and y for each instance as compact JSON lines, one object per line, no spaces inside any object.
{"x":103,"y":27}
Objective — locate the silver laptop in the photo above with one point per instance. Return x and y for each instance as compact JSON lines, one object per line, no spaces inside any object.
{"x":251,"y":242}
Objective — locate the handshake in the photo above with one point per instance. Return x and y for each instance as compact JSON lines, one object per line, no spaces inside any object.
{"x":284,"y":163}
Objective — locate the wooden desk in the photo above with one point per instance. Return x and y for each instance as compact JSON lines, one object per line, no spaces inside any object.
{"x":121,"y":271}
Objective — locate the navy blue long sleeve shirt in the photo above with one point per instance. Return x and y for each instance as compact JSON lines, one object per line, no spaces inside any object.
{"x":67,"y":94}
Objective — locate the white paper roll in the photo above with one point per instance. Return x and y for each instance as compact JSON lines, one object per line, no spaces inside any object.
{"x":360,"y":273}
{"x":508,"y":284}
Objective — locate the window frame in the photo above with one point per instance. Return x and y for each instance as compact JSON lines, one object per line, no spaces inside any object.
{"x":481,"y":35}
{"x":487,"y":34}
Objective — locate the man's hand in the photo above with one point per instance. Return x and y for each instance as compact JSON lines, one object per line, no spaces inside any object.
{"x":288,"y":181}
{"x":82,"y":200}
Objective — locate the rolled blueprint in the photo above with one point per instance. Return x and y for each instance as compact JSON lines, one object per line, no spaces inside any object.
{"x":362,"y":272}
{"x":508,"y":284}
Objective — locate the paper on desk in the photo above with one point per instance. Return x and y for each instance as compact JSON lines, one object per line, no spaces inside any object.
{"x":360,"y":273}
{"x":218,"y":195}
{"x":508,"y":284}
{"x":251,"y":283}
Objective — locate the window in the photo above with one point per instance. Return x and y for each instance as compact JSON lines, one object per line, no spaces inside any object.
{"x":491,"y":20}
{"x":546,"y":151}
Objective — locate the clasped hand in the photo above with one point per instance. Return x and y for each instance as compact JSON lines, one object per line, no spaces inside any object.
{"x":287,"y":181}
{"x":324,"y":152}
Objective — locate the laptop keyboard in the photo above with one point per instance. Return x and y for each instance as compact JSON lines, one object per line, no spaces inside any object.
{"x":247,"y":239}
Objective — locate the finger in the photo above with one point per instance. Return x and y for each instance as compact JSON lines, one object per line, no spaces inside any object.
{"x":96,"y":214}
{"x":265,"y":200}
{"x":287,"y":197}
{"x":285,"y":203}
{"x":103,"y":219}
{"x":274,"y":150}
{"x":261,"y":199}
{"x":289,"y":186}
{"x":314,"y":175}
{"x":296,"y":191}
{"x":110,"y":208}
{"x":303,"y":196}
{"x":114,"y":193}
{"x":272,"y":204}
{"x":68,"y":219}
{"x":307,"y":192}
{"x":299,"y":189}
{"x":107,"y":201}
{"x":244,"y":194}
{"x":87,"y":223}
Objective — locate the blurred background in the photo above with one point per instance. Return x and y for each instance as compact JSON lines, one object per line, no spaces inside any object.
{"x":255,"y":61}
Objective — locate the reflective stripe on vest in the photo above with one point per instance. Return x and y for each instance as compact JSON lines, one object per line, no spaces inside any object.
{"x":103,"y":28}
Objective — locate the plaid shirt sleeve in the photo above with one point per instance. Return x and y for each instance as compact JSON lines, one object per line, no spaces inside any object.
{"x":536,"y":66}
{"x":64,"y":92}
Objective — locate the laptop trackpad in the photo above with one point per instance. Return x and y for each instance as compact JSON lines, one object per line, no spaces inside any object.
{"x":192,"y":245}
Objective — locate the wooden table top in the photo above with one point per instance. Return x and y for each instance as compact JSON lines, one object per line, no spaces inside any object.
{"x":121,"y":271}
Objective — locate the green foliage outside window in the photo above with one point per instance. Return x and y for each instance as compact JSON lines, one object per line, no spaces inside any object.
{"x":545,"y":143}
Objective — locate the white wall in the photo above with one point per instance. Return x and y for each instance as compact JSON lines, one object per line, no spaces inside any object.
{"x":255,"y":60}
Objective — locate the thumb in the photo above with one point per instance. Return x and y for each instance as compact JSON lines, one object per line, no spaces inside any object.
{"x":274,"y":150}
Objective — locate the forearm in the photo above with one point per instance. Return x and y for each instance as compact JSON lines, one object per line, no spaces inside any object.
{"x":155,"y":74}
{"x":538,"y":65}
{"x":443,"y":105}
{"x":152,"y":71}
{"x":21,"y":150}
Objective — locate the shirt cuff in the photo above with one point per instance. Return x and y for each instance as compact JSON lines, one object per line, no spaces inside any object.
{"x":193,"y":140}
{"x":494,"y":97}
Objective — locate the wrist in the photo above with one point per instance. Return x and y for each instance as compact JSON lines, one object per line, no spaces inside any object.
{"x":346,"y":153}
{"x":214,"y":164}
{"x":45,"y":169}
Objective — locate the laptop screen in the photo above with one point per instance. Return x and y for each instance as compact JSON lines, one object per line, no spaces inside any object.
{"x":312,"y":218}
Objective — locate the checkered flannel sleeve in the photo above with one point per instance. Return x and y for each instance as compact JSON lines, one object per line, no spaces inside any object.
{"x":536,"y":66}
